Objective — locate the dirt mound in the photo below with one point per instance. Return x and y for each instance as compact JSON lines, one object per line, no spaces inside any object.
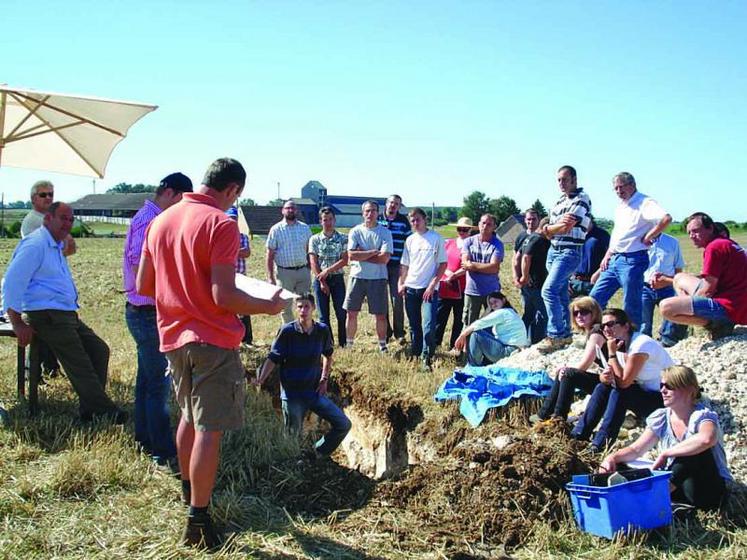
{"x":490,"y":491}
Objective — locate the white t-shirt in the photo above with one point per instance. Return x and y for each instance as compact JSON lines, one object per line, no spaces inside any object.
{"x":31,"y":222}
{"x":633,"y":219}
{"x":659,"y":359}
{"x":422,"y":255}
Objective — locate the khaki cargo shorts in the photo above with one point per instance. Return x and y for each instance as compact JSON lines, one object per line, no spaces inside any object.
{"x":209,"y":385}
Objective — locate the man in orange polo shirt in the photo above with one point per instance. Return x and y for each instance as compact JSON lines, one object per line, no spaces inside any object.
{"x":187,"y":266}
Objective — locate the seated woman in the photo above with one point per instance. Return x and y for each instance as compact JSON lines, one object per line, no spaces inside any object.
{"x":690,"y":443}
{"x":586,"y":317}
{"x":507,"y":335}
{"x":629,"y":382}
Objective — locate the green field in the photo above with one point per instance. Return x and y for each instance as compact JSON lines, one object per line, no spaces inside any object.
{"x":69,"y":491}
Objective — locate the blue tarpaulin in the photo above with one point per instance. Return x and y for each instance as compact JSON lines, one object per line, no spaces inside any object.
{"x":482,"y":388}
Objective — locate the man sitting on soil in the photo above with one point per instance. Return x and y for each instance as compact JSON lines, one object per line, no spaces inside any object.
{"x":717,"y":298}
{"x":38,"y":284}
{"x":303,"y":350}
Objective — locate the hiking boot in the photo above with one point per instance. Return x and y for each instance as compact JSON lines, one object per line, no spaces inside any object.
{"x":202,"y":534}
{"x":719,"y":329}
{"x":549,"y":344}
{"x":535,"y":419}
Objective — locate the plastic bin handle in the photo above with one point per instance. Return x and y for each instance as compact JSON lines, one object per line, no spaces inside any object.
{"x":582,"y":495}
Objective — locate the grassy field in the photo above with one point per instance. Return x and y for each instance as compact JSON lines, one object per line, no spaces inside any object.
{"x":71,"y":491}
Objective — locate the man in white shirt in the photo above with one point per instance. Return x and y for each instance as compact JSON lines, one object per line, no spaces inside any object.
{"x":421,"y":267}
{"x":288,"y":249}
{"x":638,"y":221}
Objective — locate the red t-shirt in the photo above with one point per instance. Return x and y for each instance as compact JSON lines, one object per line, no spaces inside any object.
{"x":455,"y":289}
{"x":183,"y":243}
{"x":727,"y":261}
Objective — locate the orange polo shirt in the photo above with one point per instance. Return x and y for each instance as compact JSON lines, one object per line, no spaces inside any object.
{"x":183,"y":243}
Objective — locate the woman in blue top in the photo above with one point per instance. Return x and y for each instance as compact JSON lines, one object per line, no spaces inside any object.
{"x":488,"y":345}
{"x":690,"y":443}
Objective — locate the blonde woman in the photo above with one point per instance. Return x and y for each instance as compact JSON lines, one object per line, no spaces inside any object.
{"x":690,"y":443}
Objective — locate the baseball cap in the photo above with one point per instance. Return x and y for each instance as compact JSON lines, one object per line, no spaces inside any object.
{"x":177,"y":181}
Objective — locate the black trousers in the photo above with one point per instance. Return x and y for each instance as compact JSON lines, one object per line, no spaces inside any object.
{"x":697,"y":481}
{"x":559,"y":401}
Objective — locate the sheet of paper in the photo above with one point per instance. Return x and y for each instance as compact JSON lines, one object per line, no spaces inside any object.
{"x":260,"y":289}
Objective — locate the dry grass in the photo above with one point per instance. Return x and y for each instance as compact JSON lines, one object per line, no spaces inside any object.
{"x":70,"y":491}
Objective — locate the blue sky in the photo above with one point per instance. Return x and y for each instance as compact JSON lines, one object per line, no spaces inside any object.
{"x":427,"y":99}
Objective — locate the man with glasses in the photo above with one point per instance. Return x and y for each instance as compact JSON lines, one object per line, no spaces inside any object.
{"x":639,"y":219}
{"x":152,"y":424}
{"x":287,"y":249}
{"x":42,"y":196}
{"x":569,"y":222}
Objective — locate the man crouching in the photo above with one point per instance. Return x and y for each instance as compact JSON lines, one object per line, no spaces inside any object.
{"x":303,"y":350}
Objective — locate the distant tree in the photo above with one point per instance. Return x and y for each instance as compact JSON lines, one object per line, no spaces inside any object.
{"x":450,"y":214}
{"x":276,"y":202}
{"x":126,"y":188}
{"x":604,"y":223}
{"x":475,"y":205}
{"x":18,"y":204}
{"x":540,"y":208}
{"x":503,"y":207}
{"x":247,"y":202}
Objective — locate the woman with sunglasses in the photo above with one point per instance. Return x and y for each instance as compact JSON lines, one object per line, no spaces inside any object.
{"x":451,"y":286}
{"x":495,"y":335}
{"x":586,"y":317}
{"x":629,"y":382}
{"x":690,"y":443}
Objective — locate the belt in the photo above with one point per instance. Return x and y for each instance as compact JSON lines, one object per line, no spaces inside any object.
{"x":631,"y":253}
{"x":581,"y":277}
{"x":140,"y":307}
{"x":293,"y":267}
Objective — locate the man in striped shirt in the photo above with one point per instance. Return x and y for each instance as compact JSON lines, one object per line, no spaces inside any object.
{"x":400,"y":228}
{"x":287,"y":249}
{"x":569,"y":222}
{"x":152,"y":425}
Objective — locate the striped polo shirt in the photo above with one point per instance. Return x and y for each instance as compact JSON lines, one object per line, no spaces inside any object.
{"x":400,"y":229}
{"x":299,"y":356}
{"x":577,"y":203}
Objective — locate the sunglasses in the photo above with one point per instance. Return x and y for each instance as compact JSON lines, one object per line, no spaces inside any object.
{"x":45,"y":195}
{"x":463,"y":229}
{"x":610,"y":324}
{"x":666,"y":386}
{"x":579,"y":312}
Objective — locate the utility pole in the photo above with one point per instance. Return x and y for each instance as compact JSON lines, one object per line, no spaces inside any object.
{"x":278,"y":190}
{"x":2,"y":216}
{"x":433,"y":213}
{"x":94,"y":186}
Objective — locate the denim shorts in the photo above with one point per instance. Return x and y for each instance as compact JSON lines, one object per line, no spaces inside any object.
{"x":710,"y":309}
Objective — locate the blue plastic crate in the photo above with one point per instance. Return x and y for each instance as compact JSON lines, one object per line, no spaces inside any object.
{"x":639,"y":504}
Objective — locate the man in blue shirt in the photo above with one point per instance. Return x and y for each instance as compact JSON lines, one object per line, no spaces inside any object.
{"x":665,"y":260}
{"x":303,"y":350}
{"x":400,"y":228}
{"x":593,"y":251}
{"x":40,"y":299}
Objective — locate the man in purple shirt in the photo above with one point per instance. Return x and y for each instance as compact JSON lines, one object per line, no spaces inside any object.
{"x":482,"y":255}
{"x":152,"y":427}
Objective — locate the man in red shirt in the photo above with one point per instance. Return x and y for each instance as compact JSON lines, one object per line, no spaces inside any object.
{"x":187,"y":266}
{"x":717,"y":298}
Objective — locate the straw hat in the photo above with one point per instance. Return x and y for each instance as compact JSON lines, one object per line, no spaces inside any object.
{"x":464,"y":221}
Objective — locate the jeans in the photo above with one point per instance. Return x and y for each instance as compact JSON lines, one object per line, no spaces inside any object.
{"x":422,"y":317}
{"x":535,"y":314}
{"x":561,"y":263}
{"x":447,"y":307}
{"x":294,"y":411}
{"x":485,"y":349}
{"x":559,"y":401}
{"x":670,"y":333}
{"x":152,"y":386}
{"x":396,"y":303}
{"x":609,"y":405}
{"x":336,"y":285}
{"x":625,"y":270}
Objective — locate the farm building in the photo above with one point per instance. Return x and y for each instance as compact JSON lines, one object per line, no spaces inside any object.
{"x":109,"y":207}
{"x":510,"y":228}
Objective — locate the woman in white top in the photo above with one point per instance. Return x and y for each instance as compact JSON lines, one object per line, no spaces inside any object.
{"x":494,"y":336}
{"x":690,"y":443}
{"x":629,"y":382}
